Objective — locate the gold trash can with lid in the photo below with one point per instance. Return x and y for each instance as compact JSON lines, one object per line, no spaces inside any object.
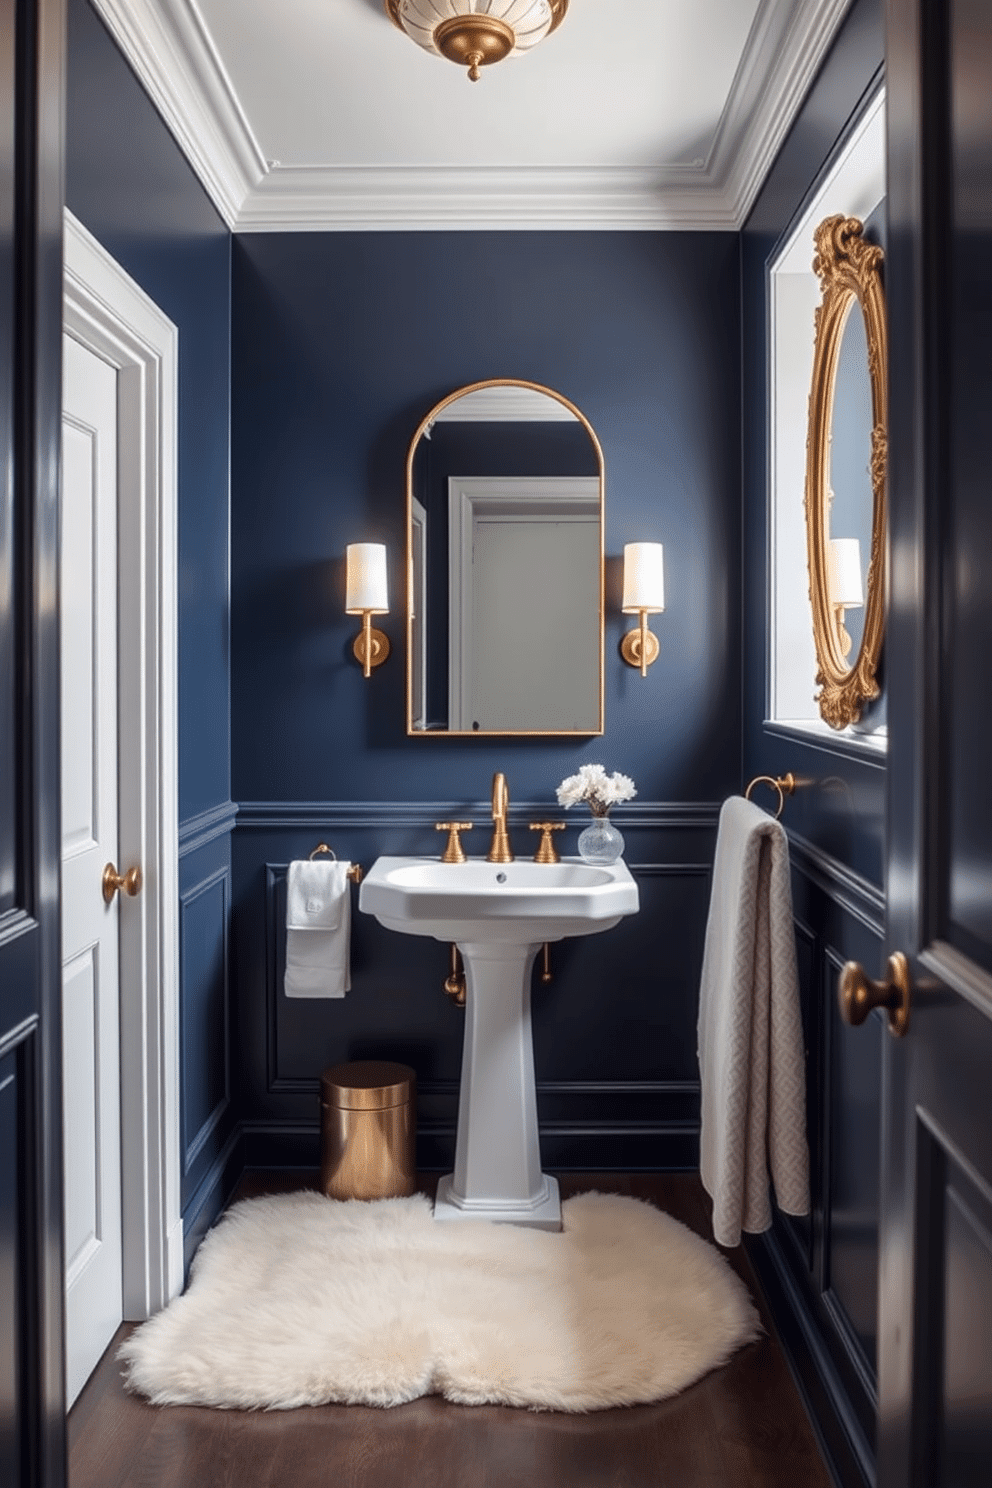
{"x":367,"y":1130}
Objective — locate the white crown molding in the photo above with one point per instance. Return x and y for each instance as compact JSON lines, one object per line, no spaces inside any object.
{"x":329,"y":199}
{"x":171,"y":50}
{"x":168,"y":45}
{"x":789,"y":40}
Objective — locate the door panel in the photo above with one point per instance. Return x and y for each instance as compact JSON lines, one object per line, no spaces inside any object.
{"x":90,"y":928}
{"x":9,"y":1269}
{"x":935,"y":1375}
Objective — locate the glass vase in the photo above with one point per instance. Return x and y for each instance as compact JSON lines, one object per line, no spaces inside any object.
{"x":600,"y":842}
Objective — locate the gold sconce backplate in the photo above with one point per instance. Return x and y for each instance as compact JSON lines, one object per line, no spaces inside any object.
{"x":849,"y":271}
{"x":630,"y":648}
{"x":378,"y":647}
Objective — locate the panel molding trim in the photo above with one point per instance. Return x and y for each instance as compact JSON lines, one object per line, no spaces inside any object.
{"x":108,"y":312}
{"x":170,"y":48}
{"x":222,"y":877}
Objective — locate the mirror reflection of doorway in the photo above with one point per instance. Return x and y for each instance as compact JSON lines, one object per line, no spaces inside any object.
{"x":523,"y":640}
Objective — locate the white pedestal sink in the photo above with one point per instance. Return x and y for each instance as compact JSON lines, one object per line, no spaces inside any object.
{"x":498,"y":914}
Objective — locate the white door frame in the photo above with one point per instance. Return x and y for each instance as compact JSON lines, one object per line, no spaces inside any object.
{"x":108,"y":313}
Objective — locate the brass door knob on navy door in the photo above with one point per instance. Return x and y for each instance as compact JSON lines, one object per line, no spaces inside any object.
{"x":113,"y":882}
{"x":858,"y":994}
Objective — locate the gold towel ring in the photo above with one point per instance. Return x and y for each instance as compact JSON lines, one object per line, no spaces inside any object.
{"x":354,"y":872}
{"x":784,"y":784}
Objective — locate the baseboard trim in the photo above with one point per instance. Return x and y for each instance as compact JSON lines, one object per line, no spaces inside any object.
{"x":577,"y":1147}
{"x":847,"y":1453}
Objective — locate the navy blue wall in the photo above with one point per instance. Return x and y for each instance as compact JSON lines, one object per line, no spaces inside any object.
{"x":129,"y":184}
{"x":340,"y":344}
{"x":127,"y":181}
{"x":822,"y":1273}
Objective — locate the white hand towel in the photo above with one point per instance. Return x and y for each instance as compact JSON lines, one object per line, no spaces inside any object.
{"x":751,"y":1059}
{"x":318,"y":929}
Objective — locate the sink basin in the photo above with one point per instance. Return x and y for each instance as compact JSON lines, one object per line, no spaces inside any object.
{"x":523,"y":903}
{"x":498,"y":914}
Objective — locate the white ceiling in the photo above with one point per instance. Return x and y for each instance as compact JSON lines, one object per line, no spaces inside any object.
{"x":319,"y":114}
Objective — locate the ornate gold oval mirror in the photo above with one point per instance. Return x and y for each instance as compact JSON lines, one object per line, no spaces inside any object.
{"x":505,"y":565}
{"x":846,"y":454}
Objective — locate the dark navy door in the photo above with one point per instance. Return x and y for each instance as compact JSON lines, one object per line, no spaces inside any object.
{"x":32,"y":1411}
{"x":935,"y":1305}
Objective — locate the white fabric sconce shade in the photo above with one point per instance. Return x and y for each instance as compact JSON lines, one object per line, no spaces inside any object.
{"x":844,"y":578}
{"x":366,"y":587}
{"x":367,"y":594}
{"x":643,"y":578}
{"x":643,"y":594}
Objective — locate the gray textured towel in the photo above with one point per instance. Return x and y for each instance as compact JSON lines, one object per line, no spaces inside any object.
{"x":751,"y":1060}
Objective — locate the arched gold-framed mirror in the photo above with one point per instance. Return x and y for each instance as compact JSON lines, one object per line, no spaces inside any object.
{"x":850,"y":318}
{"x":505,"y":523}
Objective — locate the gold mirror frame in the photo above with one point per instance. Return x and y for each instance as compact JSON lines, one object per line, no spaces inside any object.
{"x":848,"y":270}
{"x":424,"y":425}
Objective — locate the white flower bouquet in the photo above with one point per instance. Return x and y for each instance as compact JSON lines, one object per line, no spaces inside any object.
{"x":599,"y":790}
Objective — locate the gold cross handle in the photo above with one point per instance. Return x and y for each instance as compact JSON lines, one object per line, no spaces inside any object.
{"x":453,"y":852}
{"x":547,"y":852}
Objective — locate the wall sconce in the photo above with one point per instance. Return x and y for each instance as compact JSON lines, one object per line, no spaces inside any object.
{"x":644,"y":595}
{"x":367,"y":595}
{"x":844,"y":584}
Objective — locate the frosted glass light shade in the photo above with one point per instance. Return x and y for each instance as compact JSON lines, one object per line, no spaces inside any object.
{"x":844,"y":575}
{"x":366,"y":588}
{"x":643,"y":578}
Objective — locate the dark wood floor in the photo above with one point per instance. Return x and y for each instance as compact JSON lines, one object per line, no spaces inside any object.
{"x":742,"y":1425}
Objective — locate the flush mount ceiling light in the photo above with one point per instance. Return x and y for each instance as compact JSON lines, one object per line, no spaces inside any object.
{"x":476,"y":33}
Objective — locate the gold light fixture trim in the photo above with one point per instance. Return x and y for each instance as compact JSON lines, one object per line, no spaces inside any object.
{"x":477,"y":33}
{"x":849,"y":270}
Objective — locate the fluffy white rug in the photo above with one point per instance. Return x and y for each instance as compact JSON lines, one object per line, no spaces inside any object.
{"x":300,"y":1300}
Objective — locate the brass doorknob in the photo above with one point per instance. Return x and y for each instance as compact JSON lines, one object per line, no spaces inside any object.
{"x":113,"y":882}
{"x":858,"y":994}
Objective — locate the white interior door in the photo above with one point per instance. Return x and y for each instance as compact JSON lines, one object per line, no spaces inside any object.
{"x":534,"y":582}
{"x":90,"y":928}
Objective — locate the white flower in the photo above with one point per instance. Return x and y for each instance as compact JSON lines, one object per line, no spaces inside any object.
{"x":591,"y":783}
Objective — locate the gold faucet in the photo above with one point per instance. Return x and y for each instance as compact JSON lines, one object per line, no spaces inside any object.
{"x":499,"y":848}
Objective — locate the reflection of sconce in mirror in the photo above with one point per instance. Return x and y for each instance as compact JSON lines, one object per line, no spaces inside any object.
{"x":644,"y":595}
{"x":844,"y":583}
{"x":367,"y":595}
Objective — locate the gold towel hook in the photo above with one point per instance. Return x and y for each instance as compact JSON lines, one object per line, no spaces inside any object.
{"x":784,"y":784}
{"x":354,"y":872}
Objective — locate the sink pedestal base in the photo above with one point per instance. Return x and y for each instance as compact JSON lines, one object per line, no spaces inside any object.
{"x":544,"y":1216}
{"x":497,"y":1173}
